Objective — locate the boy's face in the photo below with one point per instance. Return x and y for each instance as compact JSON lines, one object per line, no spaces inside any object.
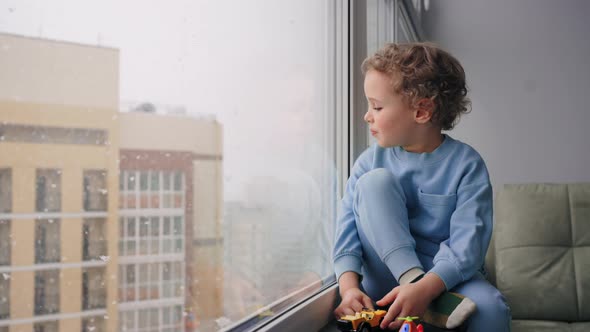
{"x":390,"y":120}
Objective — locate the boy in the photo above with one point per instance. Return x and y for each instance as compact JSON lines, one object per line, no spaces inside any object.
{"x":416,"y":217}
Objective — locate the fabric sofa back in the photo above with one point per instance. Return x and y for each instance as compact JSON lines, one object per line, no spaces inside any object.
{"x":540,"y":256}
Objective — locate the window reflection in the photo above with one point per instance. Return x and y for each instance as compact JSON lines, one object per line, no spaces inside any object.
{"x":197,"y":210}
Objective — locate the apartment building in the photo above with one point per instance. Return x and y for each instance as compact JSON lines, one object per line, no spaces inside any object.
{"x":105,"y":217}
{"x":170,"y":245}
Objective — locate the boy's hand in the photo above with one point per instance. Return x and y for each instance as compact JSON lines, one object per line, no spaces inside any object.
{"x":410,"y":300}
{"x":353,"y":300}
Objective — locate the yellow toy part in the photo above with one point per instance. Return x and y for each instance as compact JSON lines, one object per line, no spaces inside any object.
{"x":363,"y":321}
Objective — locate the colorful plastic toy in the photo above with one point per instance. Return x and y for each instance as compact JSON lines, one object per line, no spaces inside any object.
{"x":363,"y":321}
{"x":409,"y":325}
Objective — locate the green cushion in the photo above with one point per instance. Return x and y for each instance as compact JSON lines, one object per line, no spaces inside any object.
{"x":546,"y":326}
{"x":542,"y":250}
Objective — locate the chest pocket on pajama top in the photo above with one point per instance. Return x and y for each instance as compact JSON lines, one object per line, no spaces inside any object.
{"x":436,"y":207}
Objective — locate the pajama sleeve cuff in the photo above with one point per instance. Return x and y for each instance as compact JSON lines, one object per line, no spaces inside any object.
{"x":448,"y":273}
{"x":347,"y":263}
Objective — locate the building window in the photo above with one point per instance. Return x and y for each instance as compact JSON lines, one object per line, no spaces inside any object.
{"x":46,"y":292}
{"x":48,"y":190}
{"x":4,"y":295}
{"x":5,"y":190}
{"x":144,"y":235}
{"x":148,"y":281}
{"x":167,"y":319}
{"x":94,"y":243}
{"x":151,"y":235}
{"x":151,"y":189}
{"x":127,"y":283}
{"x":93,"y":288}
{"x":151,"y":281}
{"x":95,"y":194}
{"x":46,"y":327}
{"x":47,"y":241}
{"x":172,"y":279}
{"x":173,"y":191}
{"x":55,"y":135}
{"x":128,"y":236}
{"x":94,"y":324}
{"x":5,"y":242}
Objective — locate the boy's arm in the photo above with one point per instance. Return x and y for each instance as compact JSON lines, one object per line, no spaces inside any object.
{"x":463,"y":253}
{"x":347,"y":281}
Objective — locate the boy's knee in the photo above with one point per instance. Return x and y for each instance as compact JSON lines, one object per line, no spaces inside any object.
{"x":376,"y":180}
{"x":496,"y":307}
{"x":492,"y":309}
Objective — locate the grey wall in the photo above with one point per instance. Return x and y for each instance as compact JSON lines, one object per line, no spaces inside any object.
{"x":528,"y":68}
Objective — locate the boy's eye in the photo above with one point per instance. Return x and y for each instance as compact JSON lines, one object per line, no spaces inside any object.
{"x":377,"y":108}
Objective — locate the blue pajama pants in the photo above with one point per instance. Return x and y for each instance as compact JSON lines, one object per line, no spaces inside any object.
{"x":388,"y":251}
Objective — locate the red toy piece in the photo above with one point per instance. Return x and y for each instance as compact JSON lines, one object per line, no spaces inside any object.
{"x":409,"y":325}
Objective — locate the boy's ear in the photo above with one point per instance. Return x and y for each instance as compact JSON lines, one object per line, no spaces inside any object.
{"x":423,"y":110}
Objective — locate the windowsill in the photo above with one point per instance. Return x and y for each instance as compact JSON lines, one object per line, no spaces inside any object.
{"x":314,"y":314}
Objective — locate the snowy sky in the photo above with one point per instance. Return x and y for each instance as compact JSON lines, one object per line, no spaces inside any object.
{"x":259,"y":65}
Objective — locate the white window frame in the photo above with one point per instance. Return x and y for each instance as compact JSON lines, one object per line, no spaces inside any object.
{"x":351,"y":45}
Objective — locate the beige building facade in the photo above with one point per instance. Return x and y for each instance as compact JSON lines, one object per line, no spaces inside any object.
{"x":73,"y":199}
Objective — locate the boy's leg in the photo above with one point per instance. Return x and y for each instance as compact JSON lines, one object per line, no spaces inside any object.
{"x":492,"y":314}
{"x":382,"y":218}
{"x":382,"y":221}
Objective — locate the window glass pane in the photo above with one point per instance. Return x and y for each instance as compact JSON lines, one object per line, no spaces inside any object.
{"x":93,"y":290}
{"x":155,"y":180}
{"x":5,"y":242}
{"x":94,"y":244}
{"x":46,"y":327}
{"x":5,"y":190}
{"x":178,"y":226}
{"x":131,"y":181}
{"x":93,"y":324}
{"x":130,"y":320}
{"x":48,"y":190}
{"x":144,"y":225}
{"x":144,"y":318}
{"x":95,"y":193}
{"x":143,"y":181}
{"x":131,"y":227}
{"x":47,"y":241}
{"x":177,"y":181}
{"x":166,"y":228}
{"x":155,"y":226}
{"x":46,"y":292}
{"x":5,"y":295}
{"x":166,"y":316}
{"x":131,"y":248}
{"x":130,"y":274}
{"x":121,"y":181}
{"x":223,"y":162}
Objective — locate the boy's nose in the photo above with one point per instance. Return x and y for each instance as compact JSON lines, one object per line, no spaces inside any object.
{"x":367,"y":117}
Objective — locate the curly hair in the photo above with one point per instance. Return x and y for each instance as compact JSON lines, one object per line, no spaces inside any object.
{"x":423,"y":70}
